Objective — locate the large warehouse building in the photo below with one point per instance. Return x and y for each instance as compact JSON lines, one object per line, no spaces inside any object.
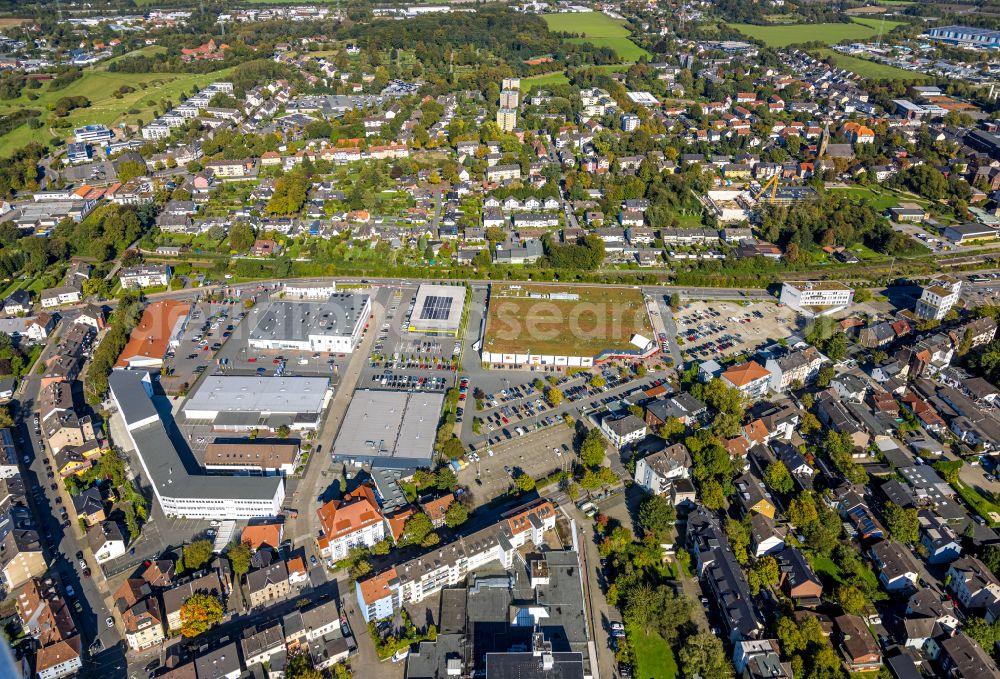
{"x":333,"y":326}
{"x":179,"y":484}
{"x":438,"y":309}
{"x":393,"y":429}
{"x":242,"y":403}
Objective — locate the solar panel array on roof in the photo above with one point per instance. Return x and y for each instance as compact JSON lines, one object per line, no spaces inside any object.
{"x":435,"y":308}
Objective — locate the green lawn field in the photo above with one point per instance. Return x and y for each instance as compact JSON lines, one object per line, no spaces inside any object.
{"x":654,"y":659}
{"x":831,"y":34}
{"x":99,"y":87}
{"x":598,"y":29}
{"x":623,"y":47}
{"x":544,"y":80}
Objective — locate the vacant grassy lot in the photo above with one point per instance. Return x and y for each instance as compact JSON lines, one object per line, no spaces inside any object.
{"x":544,"y":80}
{"x":831,"y":34}
{"x":598,"y":29}
{"x":99,"y":87}
{"x":602,"y":318}
{"x":654,"y":659}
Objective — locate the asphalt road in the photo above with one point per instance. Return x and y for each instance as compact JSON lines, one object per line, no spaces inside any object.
{"x":62,"y":544}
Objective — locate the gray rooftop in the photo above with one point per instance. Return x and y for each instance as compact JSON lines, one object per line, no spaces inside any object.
{"x":392,"y":427}
{"x":297,"y":321}
{"x":173,"y":474}
{"x":254,"y":394}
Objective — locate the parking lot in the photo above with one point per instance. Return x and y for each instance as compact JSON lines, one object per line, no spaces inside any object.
{"x":396,"y":343}
{"x":537,"y":454}
{"x":720,"y":329}
{"x":208,"y":328}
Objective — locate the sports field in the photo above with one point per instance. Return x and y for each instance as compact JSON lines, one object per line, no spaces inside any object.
{"x":598,"y":29}
{"x":599,"y":319}
{"x":99,"y":87}
{"x":831,"y":34}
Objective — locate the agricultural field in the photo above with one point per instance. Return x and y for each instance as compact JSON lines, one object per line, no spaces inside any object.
{"x":598,"y":29}
{"x":831,"y":34}
{"x":599,"y":319}
{"x":99,"y":87}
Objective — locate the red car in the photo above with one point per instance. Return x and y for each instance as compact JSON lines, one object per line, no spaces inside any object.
{"x":252,"y":359}
{"x":276,"y":361}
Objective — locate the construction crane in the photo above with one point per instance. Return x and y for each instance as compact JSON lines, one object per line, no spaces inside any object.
{"x":772,"y":185}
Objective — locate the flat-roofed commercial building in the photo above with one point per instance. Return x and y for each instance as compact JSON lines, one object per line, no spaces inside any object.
{"x":332,"y":326}
{"x":438,"y":309}
{"x":180,"y":487}
{"x":257,"y":456}
{"x":394,"y":429}
{"x":819,"y":297}
{"x":242,"y":403}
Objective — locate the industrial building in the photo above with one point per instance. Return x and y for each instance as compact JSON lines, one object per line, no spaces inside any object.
{"x":242,"y":403}
{"x":394,"y":429}
{"x":438,"y":309}
{"x":180,"y":487}
{"x":333,"y":326}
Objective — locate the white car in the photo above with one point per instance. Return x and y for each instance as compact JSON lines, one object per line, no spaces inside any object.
{"x":401,"y":655}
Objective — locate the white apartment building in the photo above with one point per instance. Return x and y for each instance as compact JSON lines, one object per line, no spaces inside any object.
{"x":816,"y":297}
{"x":144,"y":276}
{"x":938,"y":298}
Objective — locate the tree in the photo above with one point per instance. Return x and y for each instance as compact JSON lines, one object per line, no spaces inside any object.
{"x":196,"y":554}
{"x":777,"y":478}
{"x":553,"y":396}
{"x":130,"y":169}
{"x":239,"y":558}
{"x":711,"y":494}
{"x":702,"y":655}
{"x":198,"y":613}
{"x":802,"y":511}
{"x":524,"y":483}
{"x":809,"y":424}
{"x":983,"y":632}
{"x":6,"y":421}
{"x":301,"y":667}
{"x":675,"y":301}
{"x":763,"y":574}
{"x":851,"y":599}
{"x":903,"y":524}
{"x":672,"y":428}
{"x":445,"y":478}
{"x":823,"y":377}
{"x":592,"y":449}
{"x":597,"y":382}
{"x":241,"y":237}
{"x":416,"y":529}
{"x":456,"y":515}
{"x":283,"y":431}
{"x":991,"y":557}
{"x":656,"y":516}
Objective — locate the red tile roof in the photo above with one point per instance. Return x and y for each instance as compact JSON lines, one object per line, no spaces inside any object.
{"x":356,"y":510}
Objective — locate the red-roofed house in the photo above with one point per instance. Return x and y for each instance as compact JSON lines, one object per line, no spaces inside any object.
{"x":435,"y":509}
{"x":352,"y":521}
{"x":267,"y":535}
{"x":751,"y":378}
